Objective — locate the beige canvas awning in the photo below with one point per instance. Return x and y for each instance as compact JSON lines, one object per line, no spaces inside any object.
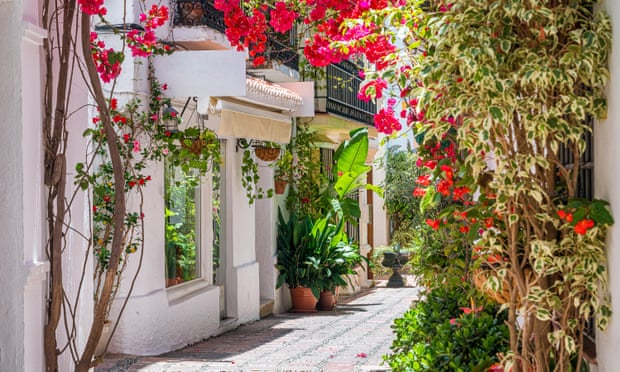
{"x":243,"y":125}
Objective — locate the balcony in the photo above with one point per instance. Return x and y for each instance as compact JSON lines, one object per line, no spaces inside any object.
{"x":281,"y":49}
{"x":339,"y":96}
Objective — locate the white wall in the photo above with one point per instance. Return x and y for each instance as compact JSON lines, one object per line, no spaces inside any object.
{"x":266,"y":219}
{"x":242,"y":284}
{"x":607,"y":179}
{"x":12,"y":269}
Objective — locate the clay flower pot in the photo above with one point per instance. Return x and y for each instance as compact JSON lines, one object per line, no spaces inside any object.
{"x":280,"y":186}
{"x":327,"y":301}
{"x":303,"y":300}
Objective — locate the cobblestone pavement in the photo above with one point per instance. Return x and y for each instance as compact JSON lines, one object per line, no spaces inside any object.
{"x":353,"y":337}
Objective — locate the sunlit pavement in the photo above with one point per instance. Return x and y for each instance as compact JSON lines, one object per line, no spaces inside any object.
{"x":353,"y":337}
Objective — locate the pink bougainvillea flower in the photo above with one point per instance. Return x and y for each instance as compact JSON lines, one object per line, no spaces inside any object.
{"x":362,"y":355}
{"x":385,"y":122}
{"x":281,"y":18}
{"x":92,"y":7}
{"x":453,"y":321}
{"x":136,"y":146}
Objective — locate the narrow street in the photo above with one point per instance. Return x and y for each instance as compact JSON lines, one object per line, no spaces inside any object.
{"x":353,"y":337}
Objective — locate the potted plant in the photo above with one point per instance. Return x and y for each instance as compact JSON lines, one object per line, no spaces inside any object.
{"x":294,"y":266}
{"x":283,"y":171}
{"x":335,"y":257}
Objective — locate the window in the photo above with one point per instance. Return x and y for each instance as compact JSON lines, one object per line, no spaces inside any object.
{"x":182,"y":224}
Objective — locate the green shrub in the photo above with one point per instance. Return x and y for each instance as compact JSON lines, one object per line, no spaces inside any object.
{"x":438,"y":335}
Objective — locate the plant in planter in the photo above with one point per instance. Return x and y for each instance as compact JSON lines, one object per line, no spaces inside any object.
{"x":335,"y":257}
{"x":254,"y":156}
{"x":316,"y":255}
{"x":283,"y":171}
{"x":294,"y":268}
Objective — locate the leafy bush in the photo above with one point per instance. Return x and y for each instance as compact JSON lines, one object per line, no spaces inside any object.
{"x":443,"y":332}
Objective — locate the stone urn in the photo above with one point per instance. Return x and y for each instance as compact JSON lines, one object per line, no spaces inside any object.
{"x":395,"y":260}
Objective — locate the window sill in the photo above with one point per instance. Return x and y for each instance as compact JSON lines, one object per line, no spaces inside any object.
{"x":184,"y":291}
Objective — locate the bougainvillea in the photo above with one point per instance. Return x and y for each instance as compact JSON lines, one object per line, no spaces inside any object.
{"x":123,"y":138}
{"x":492,"y":91}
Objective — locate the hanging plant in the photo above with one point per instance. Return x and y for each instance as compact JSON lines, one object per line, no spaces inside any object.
{"x":262,"y":154}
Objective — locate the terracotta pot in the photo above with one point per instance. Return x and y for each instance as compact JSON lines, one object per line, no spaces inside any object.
{"x":280,"y":186}
{"x":303,"y":300}
{"x":327,"y":301}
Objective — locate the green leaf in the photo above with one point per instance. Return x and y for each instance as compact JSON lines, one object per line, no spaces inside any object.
{"x":600,"y":214}
{"x":543,"y":314}
{"x":352,"y":153}
{"x":496,"y":112}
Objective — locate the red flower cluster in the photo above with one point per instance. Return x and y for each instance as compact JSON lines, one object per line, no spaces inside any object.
{"x":93,"y":7}
{"x":583,"y":226}
{"x":372,"y":89}
{"x":144,"y":43}
{"x":245,"y":31}
{"x":281,"y":18}
{"x":107,"y":61}
{"x":385,"y":122}
{"x":580,"y":227}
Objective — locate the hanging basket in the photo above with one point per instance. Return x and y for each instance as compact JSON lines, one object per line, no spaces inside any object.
{"x":196,"y":145}
{"x":267,"y":153}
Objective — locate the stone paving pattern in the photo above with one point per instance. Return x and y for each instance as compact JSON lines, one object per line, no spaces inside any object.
{"x":351,"y":338}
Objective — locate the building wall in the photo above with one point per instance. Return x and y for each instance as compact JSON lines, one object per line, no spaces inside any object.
{"x":606,"y":181}
{"x":12,"y":269}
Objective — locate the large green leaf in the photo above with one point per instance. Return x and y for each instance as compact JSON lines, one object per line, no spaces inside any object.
{"x":352,"y":153}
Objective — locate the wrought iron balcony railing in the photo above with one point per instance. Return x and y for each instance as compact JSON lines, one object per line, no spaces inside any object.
{"x":193,"y":13}
{"x":342,"y":85}
{"x":198,"y":13}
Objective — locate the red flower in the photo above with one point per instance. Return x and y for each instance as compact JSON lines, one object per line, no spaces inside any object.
{"x":282,"y":19}
{"x":460,"y":192}
{"x":443,"y":187}
{"x":424,"y":180}
{"x":448,"y":171}
{"x":464,"y":229}
{"x":433,"y":223}
{"x":469,"y":310}
{"x":419,"y":192}
{"x":583,"y":226}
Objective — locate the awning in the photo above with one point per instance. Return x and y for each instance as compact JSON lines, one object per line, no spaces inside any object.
{"x":244,"y":125}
